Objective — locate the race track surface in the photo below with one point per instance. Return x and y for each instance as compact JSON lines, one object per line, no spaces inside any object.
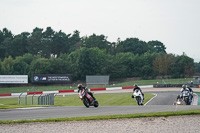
{"x":162,"y":102}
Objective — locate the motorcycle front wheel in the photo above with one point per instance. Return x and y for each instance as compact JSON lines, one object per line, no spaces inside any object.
{"x":86,"y":102}
{"x":187,"y":101}
{"x":138,"y":99}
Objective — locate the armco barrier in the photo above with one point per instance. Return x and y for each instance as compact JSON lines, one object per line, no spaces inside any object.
{"x":68,"y":91}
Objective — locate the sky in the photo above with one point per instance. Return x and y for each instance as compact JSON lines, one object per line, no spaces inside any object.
{"x":175,"y":23}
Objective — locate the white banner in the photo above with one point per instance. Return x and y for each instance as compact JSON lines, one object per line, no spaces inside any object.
{"x":13,"y":79}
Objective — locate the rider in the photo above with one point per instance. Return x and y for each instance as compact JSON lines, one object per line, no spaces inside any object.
{"x":185,"y":88}
{"x":178,"y":97}
{"x":191,"y":91}
{"x":81,"y":87}
{"x":136,"y":87}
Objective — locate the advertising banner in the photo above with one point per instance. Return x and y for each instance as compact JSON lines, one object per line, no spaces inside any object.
{"x":51,"y":78}
{"x":13,"y":79}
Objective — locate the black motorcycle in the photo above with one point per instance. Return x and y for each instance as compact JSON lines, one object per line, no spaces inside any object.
{"x":88,"y":99}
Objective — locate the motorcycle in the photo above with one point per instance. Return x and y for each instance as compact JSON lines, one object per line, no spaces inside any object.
{"x":179,"y":101}
{"x":88,"y":99}
{"x":138,"y":96}
{"x":186,"y":97}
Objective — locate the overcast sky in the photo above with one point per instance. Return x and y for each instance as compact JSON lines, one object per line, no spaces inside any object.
{"x":176,"y":23}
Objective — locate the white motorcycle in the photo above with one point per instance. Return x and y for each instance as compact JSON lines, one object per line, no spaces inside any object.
{"x":137,"y":94}
{"x":186,"y":97}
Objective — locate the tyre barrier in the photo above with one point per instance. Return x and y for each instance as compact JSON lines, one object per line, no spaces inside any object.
{"x":175,"y":85}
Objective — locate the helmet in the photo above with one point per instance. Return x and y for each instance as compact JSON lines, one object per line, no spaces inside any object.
{"x":135,"y":85}
{"x":184,"y":86}
{"x":178,"y":96}
{"x":80,"y":86}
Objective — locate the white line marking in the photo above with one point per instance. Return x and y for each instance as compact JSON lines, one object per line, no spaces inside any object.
{"x":32,"y":108}
{"x":151,"y":99}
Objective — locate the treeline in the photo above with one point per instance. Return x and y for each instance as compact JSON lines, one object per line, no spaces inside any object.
{"x":50,"y":52}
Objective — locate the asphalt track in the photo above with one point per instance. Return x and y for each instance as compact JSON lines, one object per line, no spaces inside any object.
{"x":161,"y":103}
{"x":164,"y":98}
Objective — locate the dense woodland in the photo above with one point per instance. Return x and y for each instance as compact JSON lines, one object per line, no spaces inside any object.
{"x":50,"y":52}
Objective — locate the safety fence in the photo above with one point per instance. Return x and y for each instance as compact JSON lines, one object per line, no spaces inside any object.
{"x":43,"y":99}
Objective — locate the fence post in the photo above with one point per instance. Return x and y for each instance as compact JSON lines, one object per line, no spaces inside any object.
{"x":20,"y":98}
{"x":32,"y":98}
{"x":26,"y":100}
{"x":40,"y":100}
{"x":47,"y":99}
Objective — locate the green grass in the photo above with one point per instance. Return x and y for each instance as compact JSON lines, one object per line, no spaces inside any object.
{"x":106,"y":117}
{"x":115,"y":99}
{"x":73,"y":86}
{"x":8,"y":103}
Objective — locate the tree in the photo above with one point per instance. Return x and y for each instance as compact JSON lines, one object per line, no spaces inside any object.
{"x":35,"y":42}
{"x":1,"y":37}
{"x":5,"y":43}
{"x":0,"y":66}
{"x":47,"y":42}
{"x":197,"y":67}
{"x":74,"y":41}
{"x":2,"y":52}
{"x":60,"y":43}
{"x":58,"y":66}
{"x":162,"y":64}
{"x":86,"y":61}
{"x":7,"y":47}
{"x":39,"y":66}
{"x":133,"y":45}
{"x":96,"y":41}
{"x":7,"y":66}
{"x":156,"y":46}
{"x":184,"y":66}
{"x":120,"y":65}
{"x":20,"y":67}
{"x":17,"y":48}
{"x":147,"y":65}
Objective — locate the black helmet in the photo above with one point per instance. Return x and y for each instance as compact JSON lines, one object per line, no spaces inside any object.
{"x":80,"y":86}
{"x":135,"y":85}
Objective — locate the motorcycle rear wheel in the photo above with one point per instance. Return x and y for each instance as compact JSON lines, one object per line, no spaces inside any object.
{"x":96,"y":104}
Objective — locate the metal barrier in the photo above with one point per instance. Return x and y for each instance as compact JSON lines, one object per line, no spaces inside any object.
{"x":47,"y":99}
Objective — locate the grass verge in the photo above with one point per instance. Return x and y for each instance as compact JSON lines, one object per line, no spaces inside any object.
{"x":106,"y":117}
{"x":112,"y":99}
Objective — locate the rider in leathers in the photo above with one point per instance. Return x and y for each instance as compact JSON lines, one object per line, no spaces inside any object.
{"x":135,"y":88}
{"x":185,"y":88}
{"x":191,"y":91}
{"x":81,"y":87}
